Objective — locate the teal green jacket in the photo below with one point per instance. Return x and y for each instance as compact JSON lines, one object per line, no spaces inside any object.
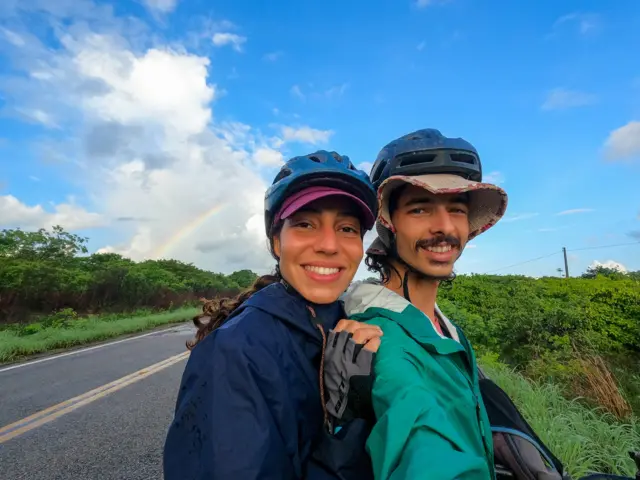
{"x":431,"y":421}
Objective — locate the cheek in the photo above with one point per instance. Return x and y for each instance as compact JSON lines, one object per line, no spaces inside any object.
{"x":290,"y":245}
{"x":463,"y":229}
{"x":404,"y":243}
{"x":354,"y":251}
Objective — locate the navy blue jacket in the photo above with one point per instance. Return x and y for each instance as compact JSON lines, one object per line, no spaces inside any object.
{"x":249,"y":404}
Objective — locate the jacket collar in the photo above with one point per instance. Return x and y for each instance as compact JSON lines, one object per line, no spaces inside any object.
{"x":368,"y":300}
{"x":291,"y":308}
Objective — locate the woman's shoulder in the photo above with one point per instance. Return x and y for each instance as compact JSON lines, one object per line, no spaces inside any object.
{"x":248,"y":327}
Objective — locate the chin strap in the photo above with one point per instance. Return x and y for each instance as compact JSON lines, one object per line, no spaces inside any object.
{"x":405,"y":286}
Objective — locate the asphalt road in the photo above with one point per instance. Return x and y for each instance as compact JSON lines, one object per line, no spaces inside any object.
{"x":117,"y":435}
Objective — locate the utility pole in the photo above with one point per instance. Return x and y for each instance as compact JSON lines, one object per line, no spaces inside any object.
{"x":566,"y":264}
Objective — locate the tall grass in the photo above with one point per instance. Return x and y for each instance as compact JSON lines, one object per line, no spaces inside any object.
{"x":19,"y":342}
{"x":585,"y":440}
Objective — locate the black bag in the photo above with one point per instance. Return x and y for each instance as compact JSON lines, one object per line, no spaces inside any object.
{"x":519,"y":453}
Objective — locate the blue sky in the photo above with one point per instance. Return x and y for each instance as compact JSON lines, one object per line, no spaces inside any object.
{"x":127,"y":121}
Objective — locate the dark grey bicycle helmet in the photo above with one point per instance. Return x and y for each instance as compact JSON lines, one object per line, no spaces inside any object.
{"x":426,"y":151}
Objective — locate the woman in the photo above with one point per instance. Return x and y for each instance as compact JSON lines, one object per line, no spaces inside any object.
{"x":251,"y":404}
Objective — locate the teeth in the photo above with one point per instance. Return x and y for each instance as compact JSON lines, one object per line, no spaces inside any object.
{"x":440,"y":249}
{"x":322,"y":270}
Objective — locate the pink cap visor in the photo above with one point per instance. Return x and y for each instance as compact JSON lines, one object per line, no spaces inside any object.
{"x":298,"y":200}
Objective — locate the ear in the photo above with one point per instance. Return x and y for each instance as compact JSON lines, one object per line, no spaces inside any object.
{"x":276,"y":245}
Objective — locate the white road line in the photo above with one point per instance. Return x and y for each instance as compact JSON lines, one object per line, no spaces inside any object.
{"x":75,"y":352}
{"x":56,"y":411}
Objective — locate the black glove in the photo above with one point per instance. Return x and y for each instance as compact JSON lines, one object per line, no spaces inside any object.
{"x":348,"y":378}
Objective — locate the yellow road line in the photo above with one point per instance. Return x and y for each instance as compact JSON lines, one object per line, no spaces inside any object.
{"x":49,"y":414}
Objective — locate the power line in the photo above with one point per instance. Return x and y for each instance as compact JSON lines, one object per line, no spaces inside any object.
{"x":556,"y":253}
{"x":522,"y":263}
{"x":604,"y":246}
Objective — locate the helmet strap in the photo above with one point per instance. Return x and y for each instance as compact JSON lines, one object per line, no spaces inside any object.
{"x":405,"y":286}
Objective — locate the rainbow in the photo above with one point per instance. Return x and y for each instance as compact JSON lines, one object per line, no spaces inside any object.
{"x":184,"y":232}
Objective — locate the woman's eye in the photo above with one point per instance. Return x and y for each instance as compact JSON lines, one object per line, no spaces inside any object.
{"x":302,"y":225}
{"x":349,"y":229}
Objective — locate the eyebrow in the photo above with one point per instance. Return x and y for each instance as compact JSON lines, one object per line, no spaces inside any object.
{"x":462,"y":198}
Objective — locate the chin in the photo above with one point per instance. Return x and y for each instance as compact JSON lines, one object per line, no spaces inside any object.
{"x":442,"y":272}
{"x":322,"y":295}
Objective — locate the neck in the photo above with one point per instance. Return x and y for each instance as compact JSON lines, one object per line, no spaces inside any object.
{"x":423,"y":292}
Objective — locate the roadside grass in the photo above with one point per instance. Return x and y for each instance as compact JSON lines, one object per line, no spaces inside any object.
{"x":18,"y":341}
{"x":585,"y":439}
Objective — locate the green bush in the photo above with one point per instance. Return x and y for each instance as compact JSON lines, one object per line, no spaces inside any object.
{"x":540,"y":325}
{"x":584,"y":439}
{"x":48,"y":271}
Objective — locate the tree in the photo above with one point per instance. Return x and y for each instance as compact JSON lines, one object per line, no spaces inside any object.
{"x":41,"y":244}
{"x":609,"y":272}
{"x":244,"y":278}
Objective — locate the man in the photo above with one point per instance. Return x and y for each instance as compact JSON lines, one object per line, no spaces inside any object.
{"x":430,"y":419}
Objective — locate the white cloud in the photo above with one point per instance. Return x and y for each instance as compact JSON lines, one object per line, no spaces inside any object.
{"x":609,"y":264}
{"x":585,"y":23}
{"x":329,"y":93}
{"x":365,"y":166}
{"x":272,"y":56}
{"x":147,"y":149}
{"x":296,"y":91}
{"x":518,"y":217}
{"x":14,"y":213}
{"x":624,"y":142}
{"x":561,"y":99}
{"x":575,"y":210}
{"x":495,"y":177}
{"x":163,"y":6}
{"x":225,"y":38}
{"x":38,"y":116}
{"x":268,"y":157}
{"x":335,"y":91}
{"x":13,"y":37}
{"x":305,"y":134}
{"x":161,"y":87}
{"x":421,"y":46}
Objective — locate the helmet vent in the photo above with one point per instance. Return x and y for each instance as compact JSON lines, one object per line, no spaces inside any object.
{"x":463,"y":158}
{"x":375,"y":175}
{"x":415,"y":159}
{"x":285,"y":172}
{"x":313,"y":158}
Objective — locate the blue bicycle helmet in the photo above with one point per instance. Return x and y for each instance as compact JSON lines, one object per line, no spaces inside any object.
{"x":425,"y":152}
{"x":322,"y":168}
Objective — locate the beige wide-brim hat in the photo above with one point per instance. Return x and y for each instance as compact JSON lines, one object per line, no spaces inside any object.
{"x":487,"y":203}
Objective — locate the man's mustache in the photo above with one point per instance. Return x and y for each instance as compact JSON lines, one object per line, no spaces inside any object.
{"x":432,"y":242}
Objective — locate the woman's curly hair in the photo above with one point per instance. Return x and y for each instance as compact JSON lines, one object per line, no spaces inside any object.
{"x":215,"y":312}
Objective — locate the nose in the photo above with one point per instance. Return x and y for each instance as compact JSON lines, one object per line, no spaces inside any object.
{"x":441,"y":221}
{"x":327,"y":239}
